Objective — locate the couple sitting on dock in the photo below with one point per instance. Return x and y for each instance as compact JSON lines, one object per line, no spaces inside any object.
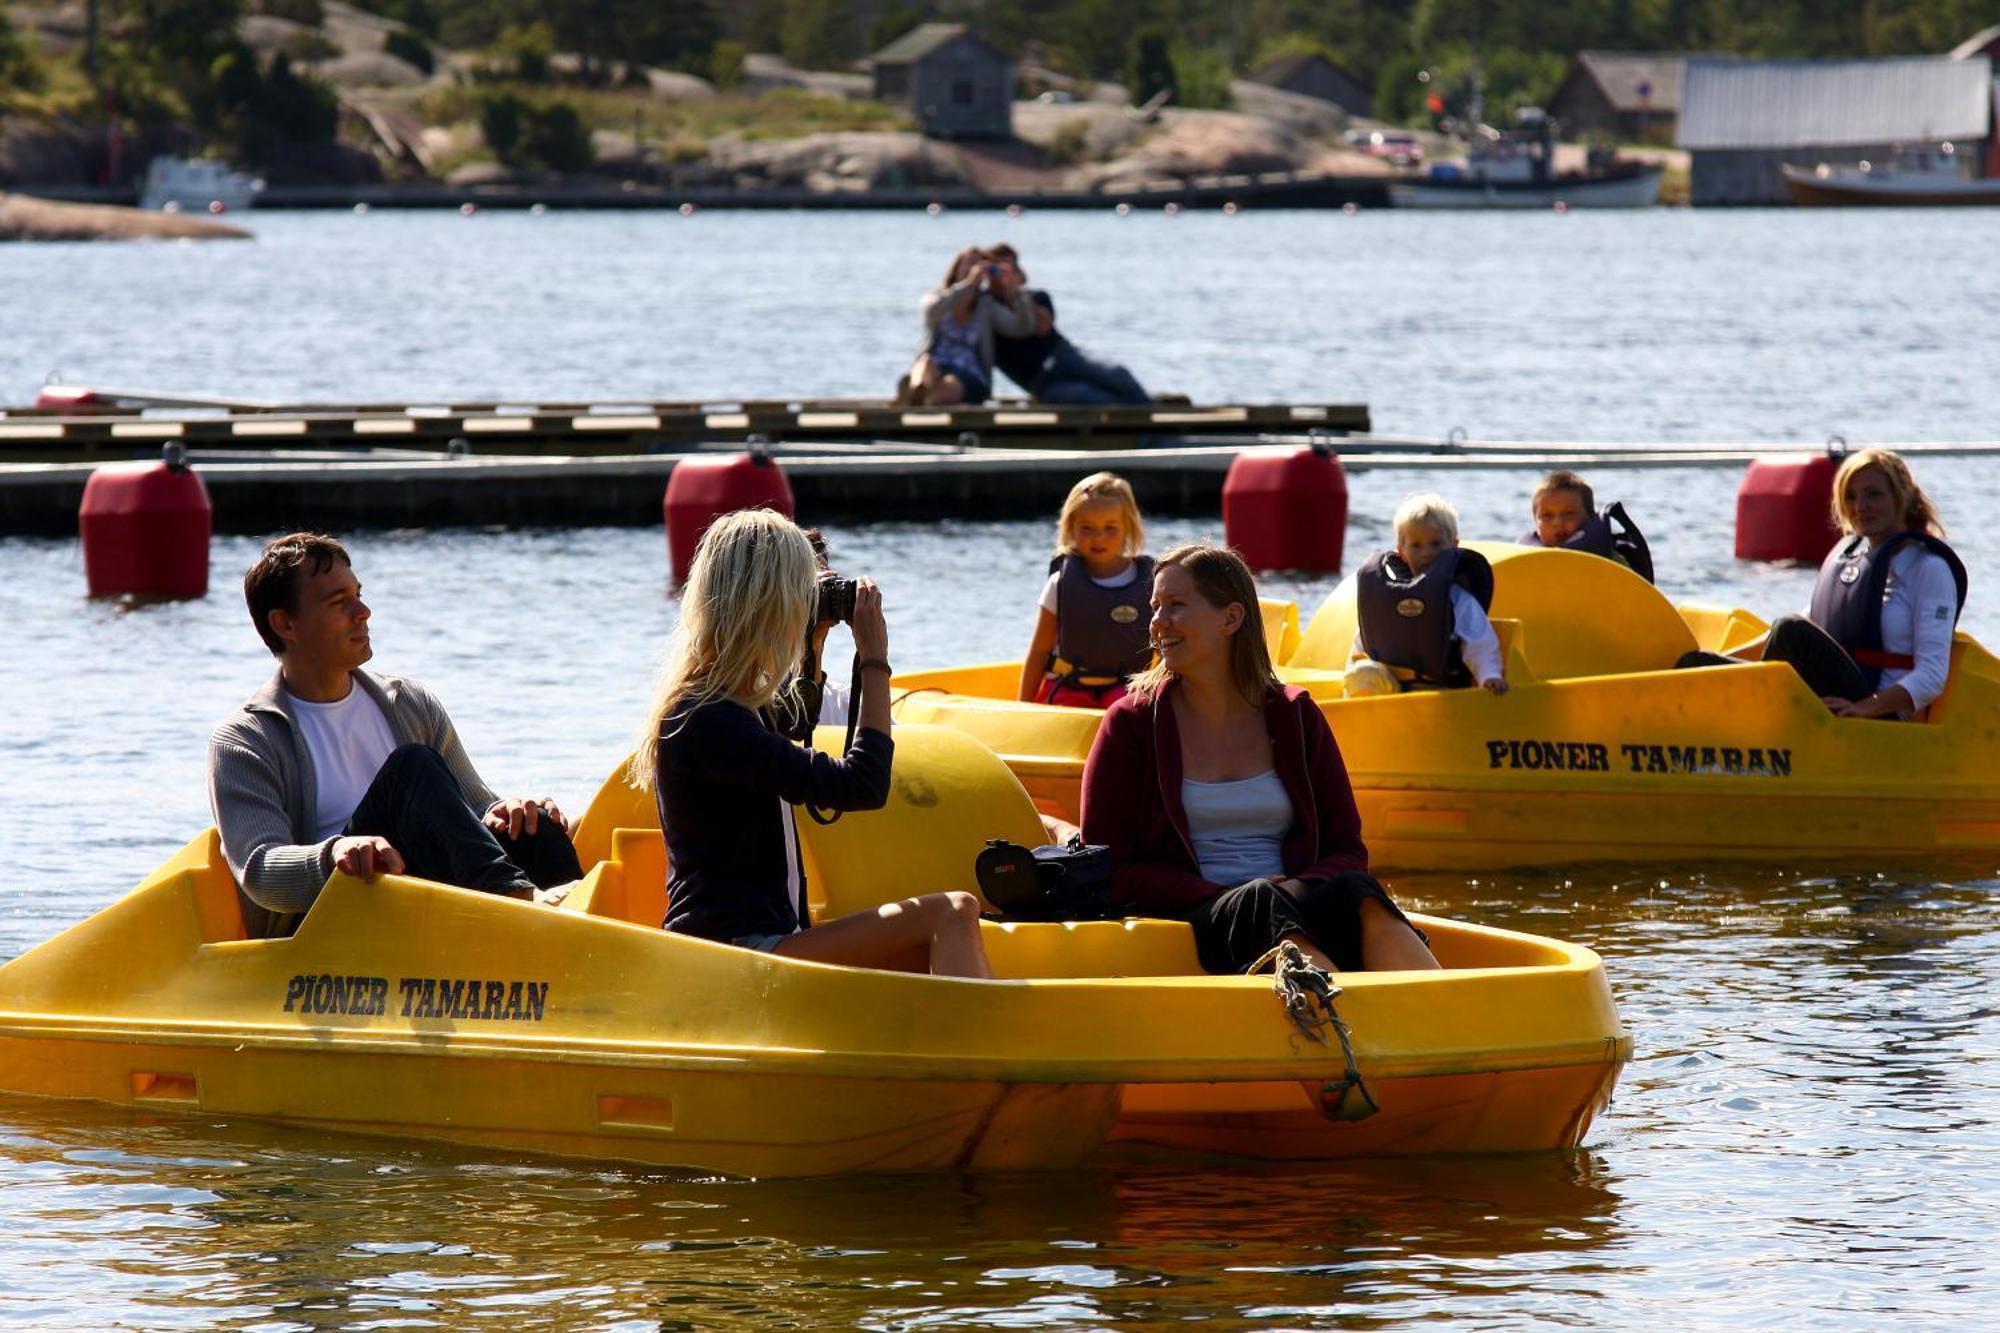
{"x":985,"y":315}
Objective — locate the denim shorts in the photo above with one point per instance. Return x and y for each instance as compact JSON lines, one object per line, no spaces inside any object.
{"x":761,"y":943}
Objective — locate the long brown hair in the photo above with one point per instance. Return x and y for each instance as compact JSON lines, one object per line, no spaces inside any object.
{"x":1221,"y":577}
{"x":1919,"y":514}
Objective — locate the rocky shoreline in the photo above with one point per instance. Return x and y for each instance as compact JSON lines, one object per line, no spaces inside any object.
{"x":27,"y":218}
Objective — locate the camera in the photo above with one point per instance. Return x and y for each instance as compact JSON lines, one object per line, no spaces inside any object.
{"x":836,"y":600}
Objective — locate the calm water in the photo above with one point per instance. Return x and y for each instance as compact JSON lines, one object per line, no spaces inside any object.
{"x":1810,"y":1130}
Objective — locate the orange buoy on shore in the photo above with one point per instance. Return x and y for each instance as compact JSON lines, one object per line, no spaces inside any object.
{"x":1784,"y":509}
{"x":701,"y":490}
{"x":145,"y":529}
{"x":1287,"y":510}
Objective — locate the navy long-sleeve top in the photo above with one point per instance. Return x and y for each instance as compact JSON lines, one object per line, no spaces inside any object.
{"x":724,"y":780}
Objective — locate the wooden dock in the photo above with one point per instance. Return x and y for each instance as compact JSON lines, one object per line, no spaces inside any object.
{"x":606,"y":429}
{"x":260,"y":492}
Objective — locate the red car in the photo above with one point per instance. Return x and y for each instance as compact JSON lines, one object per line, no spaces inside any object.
{"x":1399,"y":148}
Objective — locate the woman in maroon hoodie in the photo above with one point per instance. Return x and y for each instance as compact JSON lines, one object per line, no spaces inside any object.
{"x":1221,"y":793}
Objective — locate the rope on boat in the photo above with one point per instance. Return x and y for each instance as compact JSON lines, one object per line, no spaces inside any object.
{"x":1308,"y":991}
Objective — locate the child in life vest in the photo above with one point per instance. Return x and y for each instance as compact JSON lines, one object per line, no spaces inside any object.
{"x":1095,"y":624}
{"x":1566,"y":514}
{"x":1421,"y":609}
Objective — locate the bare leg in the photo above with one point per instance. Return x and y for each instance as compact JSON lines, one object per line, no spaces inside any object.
{"x":1313,"y":953}
{"x":941,"y":929}
{"x":1388,"y":945}
{"x":950,"y":391}
{"x":1059,"y":831}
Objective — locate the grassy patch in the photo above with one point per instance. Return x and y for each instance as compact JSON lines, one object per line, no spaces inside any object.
{"x":686,"y":126}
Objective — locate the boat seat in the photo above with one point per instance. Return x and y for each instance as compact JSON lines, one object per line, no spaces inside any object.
{"x":1579,"y":615}
{"x":948,"y":795}
{"x":217,"y":909}
{"x":1134,"y":947}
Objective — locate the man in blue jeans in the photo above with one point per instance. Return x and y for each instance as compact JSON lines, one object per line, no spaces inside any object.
{"x":1052,"y":368}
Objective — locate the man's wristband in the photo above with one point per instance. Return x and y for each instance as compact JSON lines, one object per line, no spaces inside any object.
{"x":880,"y":664}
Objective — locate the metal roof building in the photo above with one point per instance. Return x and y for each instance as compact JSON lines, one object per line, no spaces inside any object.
{"x":1743,"y":119}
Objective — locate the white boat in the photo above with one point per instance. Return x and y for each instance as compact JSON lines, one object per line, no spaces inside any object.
{"x":1922,"y":176}
{"x":197,"y":185}
{"x":1516,"y":169}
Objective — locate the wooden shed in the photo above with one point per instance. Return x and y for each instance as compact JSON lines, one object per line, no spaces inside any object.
{"x":1311,"y":74}
{"x":1627,"y":97}
{"x":954,"y":83}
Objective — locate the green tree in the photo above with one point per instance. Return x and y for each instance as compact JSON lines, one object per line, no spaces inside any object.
{"x":1153,"y":67}
{"x":500,"y":116}
{"x":814,"y":35}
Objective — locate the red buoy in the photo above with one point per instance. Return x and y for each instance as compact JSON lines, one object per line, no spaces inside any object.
{"x":1287,"y":510}
{"x":701,"y":490}
{"x":145,"y":529}
{"x":71,"y":399}
{"x":1784,"y":509}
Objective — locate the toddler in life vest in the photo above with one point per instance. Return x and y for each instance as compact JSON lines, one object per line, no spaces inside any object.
{"x":1421,"y":609}
{"x":1095,"y":624}
{"x":1566,"y":514}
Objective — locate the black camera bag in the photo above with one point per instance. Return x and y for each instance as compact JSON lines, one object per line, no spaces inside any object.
{"x":1068,"y":883}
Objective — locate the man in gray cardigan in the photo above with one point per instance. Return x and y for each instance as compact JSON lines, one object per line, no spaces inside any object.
{"x":329,"y":767}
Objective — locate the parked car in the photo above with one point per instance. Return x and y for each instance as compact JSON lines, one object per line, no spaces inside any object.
{"x":1399,"y":148}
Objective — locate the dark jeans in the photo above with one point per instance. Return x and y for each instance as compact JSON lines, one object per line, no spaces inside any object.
{"x":1820,"y":661}
{"x":1072,"y":375}
{"x":1238,"y":926}
{"x":415,"y":803}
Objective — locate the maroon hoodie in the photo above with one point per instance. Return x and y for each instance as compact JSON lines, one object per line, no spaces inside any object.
{"x":1132,"y":799}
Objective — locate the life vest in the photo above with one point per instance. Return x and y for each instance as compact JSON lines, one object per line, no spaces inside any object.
{"x":1611,"y":534}
{"x":1102,"y":634}
{"x":1406,"y":619}
{"x":1847,"y":599}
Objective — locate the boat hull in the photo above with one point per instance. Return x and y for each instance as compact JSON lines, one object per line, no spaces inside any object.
{"x":1641,"y":189}
{"x":1814,"y":191}
{"x":1600,"y":752}
{"x":417,"y":1010}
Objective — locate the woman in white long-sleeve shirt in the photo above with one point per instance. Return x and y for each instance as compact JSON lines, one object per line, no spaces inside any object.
{"x":1876,"y":639}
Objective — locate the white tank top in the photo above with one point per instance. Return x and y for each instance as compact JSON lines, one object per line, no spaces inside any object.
{"x":1238,"y":828}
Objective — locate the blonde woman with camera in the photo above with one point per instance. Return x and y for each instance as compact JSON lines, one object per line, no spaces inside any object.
{"x":727,"y":782}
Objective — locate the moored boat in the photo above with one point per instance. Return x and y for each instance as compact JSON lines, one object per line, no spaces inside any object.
{"x":197,"y":185}
{"x":1915,"y":177}
{"x":413,"y":1009}
{"x":1600,"y":752}
{"x":1517,"y":169}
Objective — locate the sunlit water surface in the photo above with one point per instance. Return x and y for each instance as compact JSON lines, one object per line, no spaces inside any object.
{"x":1810,"y":1130}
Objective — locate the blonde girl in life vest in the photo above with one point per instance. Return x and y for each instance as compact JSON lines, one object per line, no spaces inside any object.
{"x":1091,"y":632}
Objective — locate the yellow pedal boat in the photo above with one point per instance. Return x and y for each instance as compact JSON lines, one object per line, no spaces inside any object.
{"x":412,"y":1009}
{"x":1600,"y":751}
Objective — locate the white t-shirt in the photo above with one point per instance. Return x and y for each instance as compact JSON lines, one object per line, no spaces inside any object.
{"x":349,"y":741}
{"x":1122,"y":579}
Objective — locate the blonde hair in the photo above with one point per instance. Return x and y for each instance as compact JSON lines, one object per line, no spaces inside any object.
{"x":1095,"y":489}
{"x":1220,"y":576}
{"x":744,"y":613}
{"x":1919,"y":514}
{"x":1430,"y":511}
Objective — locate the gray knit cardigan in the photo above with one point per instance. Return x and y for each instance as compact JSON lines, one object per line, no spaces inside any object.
{"x":263,"y":791}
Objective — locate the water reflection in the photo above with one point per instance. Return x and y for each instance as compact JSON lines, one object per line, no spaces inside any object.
{"x":180,"y":1222}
